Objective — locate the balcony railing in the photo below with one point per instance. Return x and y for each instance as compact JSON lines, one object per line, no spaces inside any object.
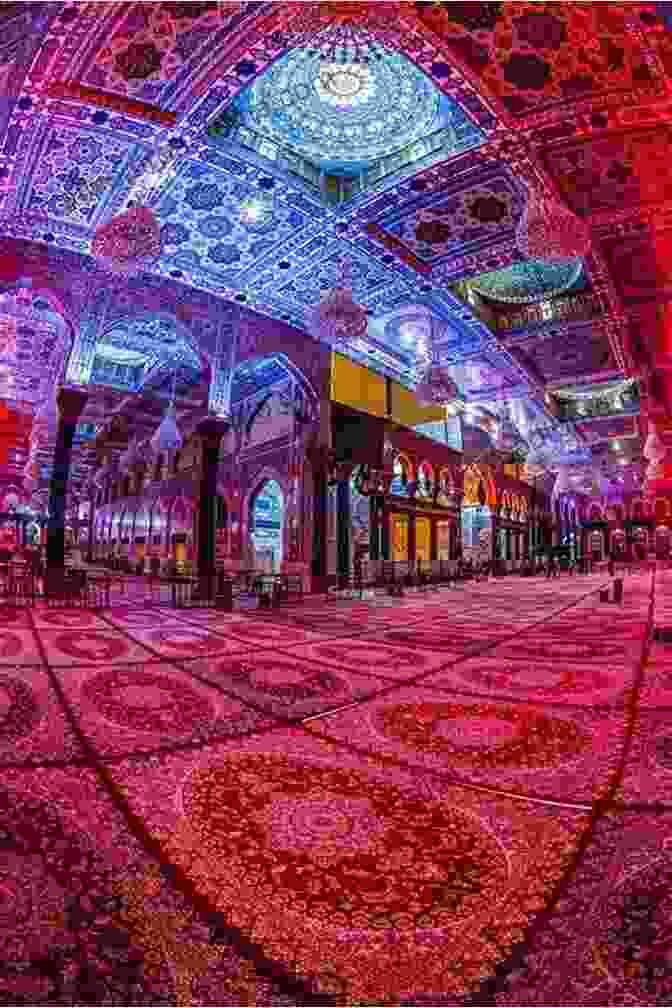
{"x":623,"y":403}
{"x":574,"y":307}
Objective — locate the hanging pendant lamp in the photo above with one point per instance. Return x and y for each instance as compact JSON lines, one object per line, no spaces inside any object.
{"x":167,"y":438}
{"x":562,"y":484}
{"x":129,"y":243}
{"x":338,"y":320}
{"x":654,"y":449}
{"x":130,"y":457}
{"x":548,"y":230}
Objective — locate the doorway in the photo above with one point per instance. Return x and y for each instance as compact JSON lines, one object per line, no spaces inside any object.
{"x":268,"y":514}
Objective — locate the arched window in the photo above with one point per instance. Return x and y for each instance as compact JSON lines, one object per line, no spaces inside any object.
{"x":402,"y":476}
{"x":425,"y":480}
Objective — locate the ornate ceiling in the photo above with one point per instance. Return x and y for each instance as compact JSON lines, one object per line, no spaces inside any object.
{"x":228,"y":129}
{"x":347,"y":113}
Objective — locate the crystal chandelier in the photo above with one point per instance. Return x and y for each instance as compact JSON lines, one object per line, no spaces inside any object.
{"x":167,"y":438}
{"x":654,"y":449}
{"x":435,"y":385}
{"x":129,"y":243}
{"x":338,"y":320}
{"x":562,"y":484}
{"x":130,"y":457}
{"x":508,"y":438}
{"x":549,"y":230}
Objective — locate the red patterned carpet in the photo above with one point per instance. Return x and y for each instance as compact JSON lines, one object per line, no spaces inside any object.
{"x":456,"y":798}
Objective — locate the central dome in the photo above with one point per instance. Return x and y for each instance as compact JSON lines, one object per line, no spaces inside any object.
{"x":346,"y":112}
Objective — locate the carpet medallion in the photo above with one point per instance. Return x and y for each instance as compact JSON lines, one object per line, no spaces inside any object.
{"x":492,"y":735}
{"x":359,"y":880}
{"x":144,"y":701}
{"x":373,"y":657}
{"x":555,"y":682}
{"x":284,"y":686}
{"x":566,"y":754}
{"x":140,"y":709}
{"x":19,"y":710}
{"x":11,"y":645}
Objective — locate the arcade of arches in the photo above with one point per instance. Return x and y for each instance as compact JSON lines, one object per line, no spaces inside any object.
{"x":335,"y":503}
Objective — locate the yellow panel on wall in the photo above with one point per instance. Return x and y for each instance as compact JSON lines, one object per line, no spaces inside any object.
{"x":357,"y":386}
{"x":399,"y":538}
{"x":406,"y":409}
{"x":423,"y":541}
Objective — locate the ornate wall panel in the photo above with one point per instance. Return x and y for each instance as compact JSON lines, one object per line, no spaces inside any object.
{"x":607,"y":173}
{"x":575,"y":352}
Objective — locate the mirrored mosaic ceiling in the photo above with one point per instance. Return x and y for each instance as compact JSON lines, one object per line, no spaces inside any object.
{"x":269,"y":167}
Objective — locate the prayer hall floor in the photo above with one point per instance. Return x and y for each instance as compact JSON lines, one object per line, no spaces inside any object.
{"x":457,"y":798}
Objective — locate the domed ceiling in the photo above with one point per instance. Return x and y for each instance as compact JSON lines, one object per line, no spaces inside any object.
{"x":343,"y":112}
{"x":436,"y":135}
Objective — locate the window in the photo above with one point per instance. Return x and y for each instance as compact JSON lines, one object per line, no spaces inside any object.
{"x":400,"y":480}
{"x":425,"y":480}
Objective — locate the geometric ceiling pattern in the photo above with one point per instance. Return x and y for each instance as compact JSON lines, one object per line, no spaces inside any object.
{"x":345,"y":114}
{"x":414,"y":170}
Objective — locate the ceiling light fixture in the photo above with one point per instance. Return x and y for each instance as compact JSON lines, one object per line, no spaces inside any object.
{"x":338,"y":320}
{"x":130,"y":243}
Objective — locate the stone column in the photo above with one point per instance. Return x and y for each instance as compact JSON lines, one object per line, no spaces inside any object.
{"x":384,"y":512}
{"x":343,"y":528}
{"x":496,"y":546}
{"x":319,"y":564}
{"x":211,"y":432}
{"x":71,"y":402}
{"x":411,"y":541}
{"x":92,"y":520}
{"x":433,"y":541}
{"x":375,"y":531}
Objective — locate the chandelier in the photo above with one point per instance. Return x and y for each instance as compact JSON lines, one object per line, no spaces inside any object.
{"x":338,"y":320}
{"x":436,"y":387}
{"x":130,"y":457}
{"x":167,"y":438}
{"x":562,"y":484}
{"x":654,"y":450}
{"x":549,"y":230}
{"x":129,"y":243}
